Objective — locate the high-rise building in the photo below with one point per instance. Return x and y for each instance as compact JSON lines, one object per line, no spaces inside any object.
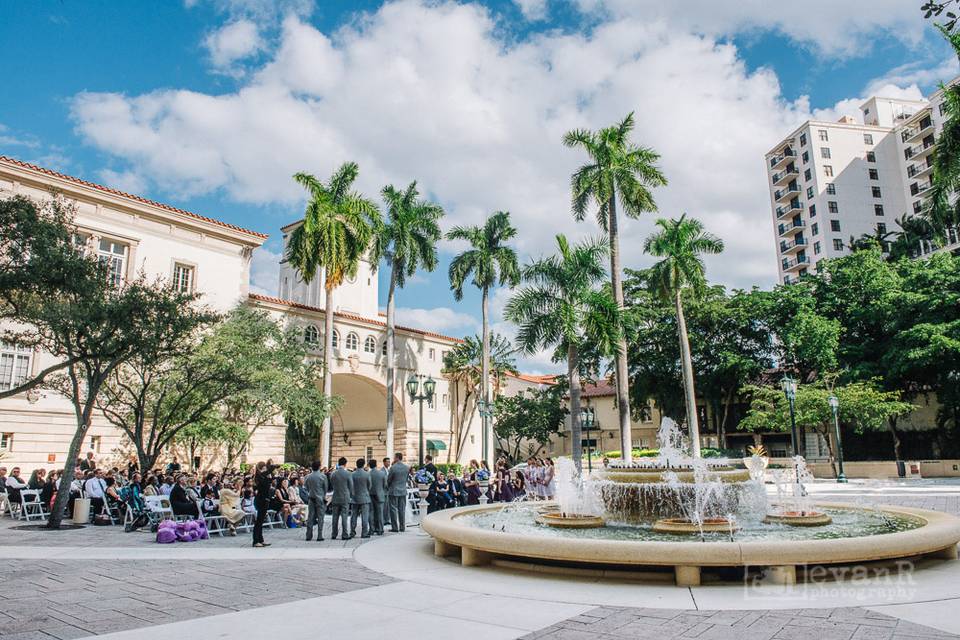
{"x":833,"y":181}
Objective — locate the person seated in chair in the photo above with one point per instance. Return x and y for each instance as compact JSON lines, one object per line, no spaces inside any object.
{"x":209,"y":505}
{"x":95,"y":489}
{"x":179,"y":502}
{"x":439,"y":496}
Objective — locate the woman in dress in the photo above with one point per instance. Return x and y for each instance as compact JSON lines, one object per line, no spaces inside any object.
{"x":503,"y":482}
{"x":230,"y":507}
{"x":282,"y":503}
{"x":549,"y":479}
{"x":519,"y":484}
{"x":470,"y":484}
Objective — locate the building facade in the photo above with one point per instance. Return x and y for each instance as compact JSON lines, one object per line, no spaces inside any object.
{"x":135,"y":235}
{"x":833,"y":181}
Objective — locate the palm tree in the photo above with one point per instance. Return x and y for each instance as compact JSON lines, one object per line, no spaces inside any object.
{"x":941,"y":211}
{"x":407,"y":240}
{"x":337,"y":228}
{"x":564,"y":307}
{"x":488,"y":260}
{"x":681,"y":243}
{"x":463,"y":365}
{"x":618,"y":171}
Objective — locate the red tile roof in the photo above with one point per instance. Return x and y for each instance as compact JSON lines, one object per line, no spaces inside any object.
{"x":537,"y":379}
{"x":348,"y":316}
{"x":122,"y":194}
{"x":599,"y":389}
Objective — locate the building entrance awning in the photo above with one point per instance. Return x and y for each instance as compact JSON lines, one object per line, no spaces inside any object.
{"x":436,"y":445}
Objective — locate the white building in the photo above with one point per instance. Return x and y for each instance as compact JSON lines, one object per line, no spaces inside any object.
{"x":213,"y":258}
{"x":832,"y":181}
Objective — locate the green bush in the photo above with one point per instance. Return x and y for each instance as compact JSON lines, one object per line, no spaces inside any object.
{"x":453,"y":468}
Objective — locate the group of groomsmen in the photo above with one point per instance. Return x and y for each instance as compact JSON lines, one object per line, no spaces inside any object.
{"x":370,"y":494}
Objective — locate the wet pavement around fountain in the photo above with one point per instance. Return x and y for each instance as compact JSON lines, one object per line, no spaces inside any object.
{"x":98,"y":580}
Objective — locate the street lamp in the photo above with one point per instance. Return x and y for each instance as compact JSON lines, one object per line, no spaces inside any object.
{"x":413,"y":388}
{"x":485,"y":408}
{"x":588,"y":417}
{"x":834,"y":405}
{"x":789,"y":386}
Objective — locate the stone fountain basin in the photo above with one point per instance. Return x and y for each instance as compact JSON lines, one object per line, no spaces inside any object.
{"x":938,"y":536}
{"x":628,"y":475}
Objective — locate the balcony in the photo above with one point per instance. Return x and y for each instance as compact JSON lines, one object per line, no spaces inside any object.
{"x":780,"y":160}
{"x":920,"y":150}
{"x":784,"y":176}
{"x":920,"y":169}
{"x":919,"y":188}
{"x":917,"y":132}
{"x":788,"y":247}
{"x":789,"y":209}
{"x":797,"y":224}
{"x":796,"y":263}
{"x":785,"y":194}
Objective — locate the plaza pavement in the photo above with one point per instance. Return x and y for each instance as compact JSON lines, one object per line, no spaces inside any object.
{"x":99,"y":580}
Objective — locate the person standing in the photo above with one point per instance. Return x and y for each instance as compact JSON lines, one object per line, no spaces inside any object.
{"x":386,"y":498}
{"x":360,"y":501}
{"x":342,"y":483}
{"x":378,"y":495}
{"x":397,"y":493}
{"x":316,"y":484}
{"x":263,"y":482}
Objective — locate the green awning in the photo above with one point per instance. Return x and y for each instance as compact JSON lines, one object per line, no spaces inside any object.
{"x":436,"y":445}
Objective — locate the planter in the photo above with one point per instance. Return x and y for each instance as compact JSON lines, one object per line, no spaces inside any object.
{"x":757,"y":466}
{"x":424,"y":490}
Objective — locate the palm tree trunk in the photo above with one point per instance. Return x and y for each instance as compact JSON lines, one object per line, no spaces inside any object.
{"x":488,"y":453}
{"x":687,"y":364}
{"x":326,"y":433}
{"x":573,"y":375}
{"x":623,"y":393}
{"x":391,"y":372}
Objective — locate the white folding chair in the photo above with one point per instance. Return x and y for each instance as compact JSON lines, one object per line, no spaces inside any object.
{"x":5,"y":507}
{"x":30,"y":506}
{"x":158,"y":508}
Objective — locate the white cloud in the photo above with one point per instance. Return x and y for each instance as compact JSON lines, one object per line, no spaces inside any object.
{"x":439,"y":319}
{"x":123,"y":180}
{"x":231,"y":43}
{"x":532,"y":9}
{"x":830,"y":27}
{"x":431,"y":91}
{"x":265,"y":271}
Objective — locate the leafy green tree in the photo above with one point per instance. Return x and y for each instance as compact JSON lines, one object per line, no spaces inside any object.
{"x":863,"y":406}
{"x":99,"y":335}
{"x":40,"y":261}
{"x":681,"y":243}
{"x":210,"y":431}
{"x":407,"y":241}
{"x":463,"y":366}
{"x":337,"y":228}
{"x":489,"y":260}
{"x":532,"y":416}
{"x":942,"y":210}
{"x":618,"y":172}
{"x":563,"y":306}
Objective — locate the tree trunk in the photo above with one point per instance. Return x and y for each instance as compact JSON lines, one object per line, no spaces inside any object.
{"x":488,"y":445}
{"x":391,"y":372}
{"x":687,"y":365}
{"x":83,"y":413}
{"x":623,"y":392}
{"x":726,"y":414}
{"x":892,"y":425}
{"x":326,"y":433}
{"x":573,"y":374}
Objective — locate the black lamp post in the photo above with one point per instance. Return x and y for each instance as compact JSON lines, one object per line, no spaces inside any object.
{"x":413,"y":388}
{"x":789,"y":386}
{"x":588,"y":417}
{"x":834,"y":405}
{"x":485,"y":409}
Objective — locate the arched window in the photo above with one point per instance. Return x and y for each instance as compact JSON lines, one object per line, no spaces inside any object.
{"x":336,"y":338}
{"x":311,"y":335}
{"x":370,"y":345}
{"x":383,"y":349}
{"x":353,"y":341}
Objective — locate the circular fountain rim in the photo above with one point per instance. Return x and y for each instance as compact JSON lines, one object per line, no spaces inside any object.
{"x":939,"y":532}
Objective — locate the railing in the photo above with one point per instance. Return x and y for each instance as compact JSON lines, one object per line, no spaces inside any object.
{"x":787,"y":246}
{"x":797,"y":262}
{"x":796,"y":224}
{"x":787,"y":153}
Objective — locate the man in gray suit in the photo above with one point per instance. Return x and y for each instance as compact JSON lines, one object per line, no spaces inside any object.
{"x":386,"y":499}
{"x":341,"y":481}
{"x":378,"y":495}
{"x":316,"y":485}
{"x":397,"y":493}
{"x":360,"y":501}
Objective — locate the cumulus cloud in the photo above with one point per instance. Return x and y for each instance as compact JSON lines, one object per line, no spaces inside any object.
{"x":433,"y":91}
{"x":123,"y":180}
{"x":231,"y":43}
{"x":439,"y":319}
{"x":532,"y":9}
{"x":265,"y":271}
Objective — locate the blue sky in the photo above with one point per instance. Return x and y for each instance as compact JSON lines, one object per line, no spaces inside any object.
{"x":212,"y":104}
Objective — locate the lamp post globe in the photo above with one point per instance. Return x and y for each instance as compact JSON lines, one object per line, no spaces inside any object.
{"x":789,"y":386}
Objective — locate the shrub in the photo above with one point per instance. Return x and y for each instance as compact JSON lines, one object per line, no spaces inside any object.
{"x":452,"y":468}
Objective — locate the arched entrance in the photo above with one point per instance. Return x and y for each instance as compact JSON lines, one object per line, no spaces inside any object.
{"x":359,"y":425}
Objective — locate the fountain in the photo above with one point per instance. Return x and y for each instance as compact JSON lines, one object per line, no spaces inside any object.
{"x":691,"y":514}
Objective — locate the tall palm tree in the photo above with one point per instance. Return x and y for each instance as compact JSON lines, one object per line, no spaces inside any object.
{"x":564,"y":306}
{"x":681,"y":243}
{"x":338,"y":225}
{"x":618,"y":171}
{"x":407,"y":240}
{"x":488,"y":261}
{"x":463,"y":365}
{"x":943,"y":210}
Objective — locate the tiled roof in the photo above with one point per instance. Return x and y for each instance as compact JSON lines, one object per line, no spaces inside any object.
{"x":122,"y":194}
{"x":527,"y":377}
{"x":348,"y":316}
{"x":598,"y":389}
